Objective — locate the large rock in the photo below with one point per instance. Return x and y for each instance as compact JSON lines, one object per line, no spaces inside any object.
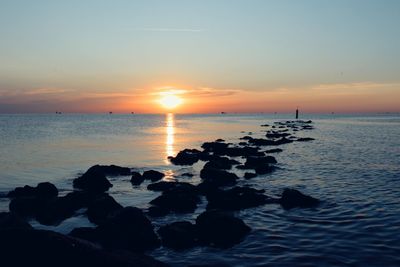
{"x":218,"y":177}
{"x":110,"y":170}
{"x":237,"y":198}
{"x":178,"y":235}
{"x":153,"y":175}
{"x":85,"y":233}
{"x":27,"y":247}
{"x":128,"y":228}
{"x":12,"y":221}
{"x":292,"y":198}
{"x":178,"y":199}
{"x":254,"y":162}
{"x":164,"y":186}
{"x":101,"y":208}
{"x":220,"y":229}
{"x":186,"y":157}
{"x":137,"y":178}
{"x":44,"y":190}
{"x":223,"y":163}
{"x":92,"y":181}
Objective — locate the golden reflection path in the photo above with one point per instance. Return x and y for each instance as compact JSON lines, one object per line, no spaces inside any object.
{"x":170,"y":132}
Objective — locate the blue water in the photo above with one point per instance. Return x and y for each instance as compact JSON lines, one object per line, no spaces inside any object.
{"x":353,"y":166}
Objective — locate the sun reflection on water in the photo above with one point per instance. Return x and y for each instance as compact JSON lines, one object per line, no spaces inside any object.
{"x":170,"y":131}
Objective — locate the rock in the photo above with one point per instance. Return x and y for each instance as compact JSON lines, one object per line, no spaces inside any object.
{"x":94,"y":182}
{"x":216,"y":147}
{"x":218,"y":177}
{"x":12,"y":221}
{"x":42,"y":190}
{"x":178,"y":235}
{"x":153,"y":175}
{"x":137,"y":178}
{"x":85,"y":233}
{"x":249,"y":175}
{"x":264,"y":169}
{"x":219,"y":140}
{"x":178,"y":199}
{"x":220,"y":229}
{"x":275,"y":150}
{"x":237,"y":198}
{"x":99,"y":209}
{"x":164,"y":186}
{"x":186,"y":157}
{"x":128,"y":228}
{"x":254,"y":162}
{"x":221,"y":163}
{"x":155,"y":211}
{"x":24,"y":206}
{"x":292,"y":198}
{"x":267,"y":142}
{"x":110,"y":170}
{"x":27,"y":247}
{"x":277,"y":135}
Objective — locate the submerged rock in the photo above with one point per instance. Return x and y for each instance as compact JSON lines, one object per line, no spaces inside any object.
{"x":218,"y":177}
{"x":220,"y":229}
{"x":137,"y":178}
{"x":182,"y":199}
{"x":275,"y":150}
{"x":111,"y":170}
{"x":101,"y":208}
{"x":178,"y":235}
{"x":186,"y":157}
{"x":292,"y":198}
{"x":249,"y":175}
{"x":164,"y":186}
{"x":94,"y":182}
{"x":153,"y":175}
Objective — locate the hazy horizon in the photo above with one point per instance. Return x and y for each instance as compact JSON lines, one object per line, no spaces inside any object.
{"x":233,"y":56}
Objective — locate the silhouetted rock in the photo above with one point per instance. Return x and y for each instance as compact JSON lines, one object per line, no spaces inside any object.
{"x":305,"y":139}
{"x":218,"y":177}
{"x":24,"y":206}
{"x":275,"y":150}
{"x":128,"y":228}
{"x":221,"y":163}
{"x":255,"y":162}
{"x":100,"y":208}
{"x":95,"y":182}
{"x":155,"y":211}
{"x":186,"y":157}
{"x":85,"y":233}
{"x":42,"y":190}
{"x":219,"y":140}
{"x":264,"y":169}
{"x":178,"y":235}
{"x":237,"y":198}
{"x":216,"y":147}
{"x":292,"y":198}
{"x":249,"y":175}
{"x":111,"y":170}
{"x":268,"y":142}
{"x":179,"y":199}
{"x":277,"y":135}
{"x":153,"y":175}
{"x":27,"y":247}
{"x":164,"y":186}
{"x":220,"y":229}
{"x":137,"y":178}
{"x":10,"y":221}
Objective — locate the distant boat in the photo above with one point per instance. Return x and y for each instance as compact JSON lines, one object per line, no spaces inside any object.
{"x":132,"y":113}
{"x":110,"y":112}
{"x":223,"y":112}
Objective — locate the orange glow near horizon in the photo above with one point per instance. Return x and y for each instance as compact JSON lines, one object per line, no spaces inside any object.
{"x":170,"y":99}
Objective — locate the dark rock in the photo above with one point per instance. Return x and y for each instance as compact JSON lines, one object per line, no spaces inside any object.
{"x":275,"y":150}
{"x":85,"y":233}
{"x":164,"y":186}
{"x":155,"y":211}
{"x":27,"y":247}
{"x":137,"y":178}
{"x":220,"y":229}
{"x":221,"y":163}
{"x":216,"y":147}
{"x":153,"y":175}
{"x":292,"y":198}
{"x":10,"y":221}
{"x":254,"y":162}
{"x":218,"y":177}
{"x":128,"y":228}
{"x":178,"y":199}
{"x":265,"y":125}
{"x":24,"y":206}
{"x":42,"y":190}
{"x":99,"y":209}
{"x":219,"y":140}
{"x":178,"y":235}
{"x":277,"y":135}
{"x":305,"y":139}
{"x":186,"y":157}
{"x":237,"y":198}
{"x":264,"y":169}
{"x":95,"y":182}
{"x":249,"y":175}
{"x":26,"y":191}
{"x":111,"y":170}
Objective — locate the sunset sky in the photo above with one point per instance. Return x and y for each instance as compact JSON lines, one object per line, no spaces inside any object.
{"x":213,"y":56}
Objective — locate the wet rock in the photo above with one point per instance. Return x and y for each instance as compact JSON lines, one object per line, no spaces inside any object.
{"x":101,"y":208}
{"x":237,"y":198}
{"x":220,"y":229}
{"x":221,"y":163}
{"x":264,"y":125}
{"x":128,"y":228}
{"x":11,"y":221}
{"x":153,"y":175}
{"x":216,"y":147}
{"x":137,"y":178}
{"x":249,"y":175}
{"x":268,"y":142}
{"x":186,"y":157}
{"x":110,"y":170}
{"x":27,"y":247}
{"x":24,"y":206}
{"x":292,"y":198}
{"x":164,"y":186}
{"x":178,"y":199}
{"x":277,"y":135}
{"x":218,"y":177}
{"x":155,"y":211}
{"x":275,"y":150}
{"x":85,"y":233}
{"x":42,"y":190}
{"x":254,"y":162}
{"x":178,"y":235}
{"x":264,"y":169}
{"x":92,"y":181}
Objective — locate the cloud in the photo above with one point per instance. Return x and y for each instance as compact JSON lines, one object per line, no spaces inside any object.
{"x":168,"y":30}
{"x":195,"y":92}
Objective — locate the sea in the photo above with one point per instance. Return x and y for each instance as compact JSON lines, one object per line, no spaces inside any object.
{"x":352,"y":166}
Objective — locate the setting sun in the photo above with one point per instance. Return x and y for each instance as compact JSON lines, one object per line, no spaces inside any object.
{"x":170,"y":101}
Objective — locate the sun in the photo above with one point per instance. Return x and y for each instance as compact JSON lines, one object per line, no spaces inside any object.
{"x":170,"y":101}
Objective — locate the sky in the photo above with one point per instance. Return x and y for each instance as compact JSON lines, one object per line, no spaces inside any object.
{"x":215,"y":55}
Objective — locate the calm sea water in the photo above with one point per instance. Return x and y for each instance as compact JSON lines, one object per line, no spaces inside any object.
{"x":353,"y":166}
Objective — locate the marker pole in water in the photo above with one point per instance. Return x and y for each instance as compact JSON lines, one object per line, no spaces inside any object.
{"x":297,"y":113}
